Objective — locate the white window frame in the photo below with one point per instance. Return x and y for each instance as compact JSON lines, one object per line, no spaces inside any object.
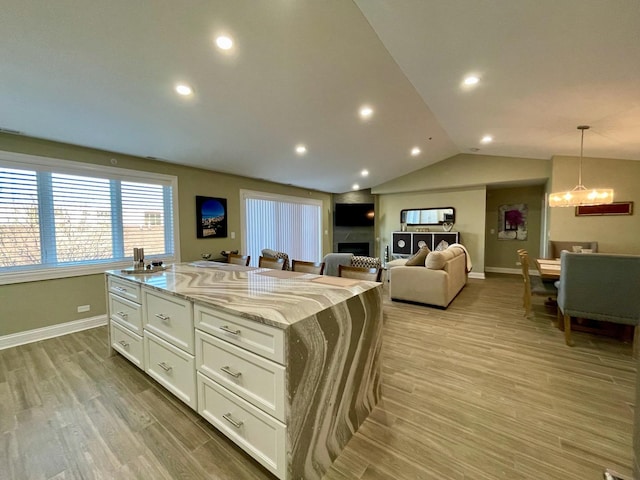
{"x":25,"y":161}
{"x":244,"y":194}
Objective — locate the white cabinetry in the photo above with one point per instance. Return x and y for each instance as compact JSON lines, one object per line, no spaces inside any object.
{"x":241,"y":390}
{"x":287,"y":369}
{"x":125,"y":314}
{"x":408,"y":243}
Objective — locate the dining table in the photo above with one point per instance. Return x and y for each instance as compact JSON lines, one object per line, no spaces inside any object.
{"x":549,"y":268}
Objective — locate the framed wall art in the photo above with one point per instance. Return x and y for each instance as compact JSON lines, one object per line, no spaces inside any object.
{"x":211,"y":217}
{"x":615,"y":208}
{"x":512,"y":222}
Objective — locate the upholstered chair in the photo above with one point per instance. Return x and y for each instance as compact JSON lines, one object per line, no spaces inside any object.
{"x":599,"y":287}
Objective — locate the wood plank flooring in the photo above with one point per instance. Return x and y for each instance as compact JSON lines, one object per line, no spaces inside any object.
{"x":476,"y":391}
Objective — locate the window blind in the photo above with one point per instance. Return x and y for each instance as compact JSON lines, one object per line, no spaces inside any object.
{"x":66,"y":215}
{"x":282,"y":224}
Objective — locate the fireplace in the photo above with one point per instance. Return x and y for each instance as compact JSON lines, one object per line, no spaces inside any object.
{"x":357,"y":248}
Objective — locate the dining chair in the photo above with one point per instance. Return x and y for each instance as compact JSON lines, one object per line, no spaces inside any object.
{"x":533,"y":285}
{"x":239,"y":259}
{"x":273,"y":263}
{"x":360,"y":273}
{"x":307,"y":267}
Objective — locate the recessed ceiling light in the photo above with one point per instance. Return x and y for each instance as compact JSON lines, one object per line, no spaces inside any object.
{"x":184,"y":89}
{"x":224,"y":43}
{"x":355,"y":186}
{"x":415,"y":151}
{"x":486,"y":139}
{"x":364,"y":173}
{"x":471,"y":80}
{"x":366,"y":111}
{"x":301,"y":149}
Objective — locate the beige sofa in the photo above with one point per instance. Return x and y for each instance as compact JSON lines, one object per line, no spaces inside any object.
{"x":437,"y":283}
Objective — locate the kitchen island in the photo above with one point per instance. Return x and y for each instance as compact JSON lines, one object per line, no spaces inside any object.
{"x":286,"y":364}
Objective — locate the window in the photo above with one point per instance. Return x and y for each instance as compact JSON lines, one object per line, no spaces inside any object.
{"x":288,"y":224}
{"x":61,"y":218}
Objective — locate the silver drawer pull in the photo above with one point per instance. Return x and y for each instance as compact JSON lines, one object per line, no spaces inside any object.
{"x":164,"y":366}
{"x":229,"y":418}
{"x":228,"y":371}
{"x":123,"y":315}
{"x":226,"y":328}
{"x":164,"y":318}
{"x":124,"y":344}
{"x":120,"y":289}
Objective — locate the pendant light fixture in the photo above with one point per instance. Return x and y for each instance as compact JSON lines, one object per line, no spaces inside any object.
{"x":581,"y":195}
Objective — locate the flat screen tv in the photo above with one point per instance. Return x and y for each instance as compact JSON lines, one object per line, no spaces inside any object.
{"x":354,"y":214}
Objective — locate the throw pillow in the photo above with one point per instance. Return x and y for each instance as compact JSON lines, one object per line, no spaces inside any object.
{"x":418,"y":258}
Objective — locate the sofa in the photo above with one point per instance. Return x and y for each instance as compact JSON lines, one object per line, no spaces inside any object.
{"x":435,"y":282}
{"x":599,"y":286}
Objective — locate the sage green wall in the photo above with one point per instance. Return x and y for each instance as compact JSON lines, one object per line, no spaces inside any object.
{"x":470,"y":213}
{"x":465,"y":170}
{"x":614,"y":234}
{"x":501,"y":253}
{"x":33,"y":305}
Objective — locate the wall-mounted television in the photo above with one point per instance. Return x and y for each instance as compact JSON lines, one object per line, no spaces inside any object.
{"x":354,"y":214}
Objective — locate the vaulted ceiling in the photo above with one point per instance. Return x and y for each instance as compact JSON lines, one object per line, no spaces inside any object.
{"x":103,"y":74}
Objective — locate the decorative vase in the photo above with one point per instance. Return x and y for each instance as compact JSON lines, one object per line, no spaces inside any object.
{"x":447,"y":226}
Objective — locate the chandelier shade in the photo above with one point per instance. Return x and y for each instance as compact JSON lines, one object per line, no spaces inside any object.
{"x":581,"y":195}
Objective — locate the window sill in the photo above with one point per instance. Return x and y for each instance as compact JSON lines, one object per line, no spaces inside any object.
{"x":52,"y":273}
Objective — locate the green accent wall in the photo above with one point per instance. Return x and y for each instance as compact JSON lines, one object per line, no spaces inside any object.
{"x":502,"y":253}
{"x":31,"y":305}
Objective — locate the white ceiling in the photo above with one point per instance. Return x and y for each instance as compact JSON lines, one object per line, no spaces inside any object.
{"x":101,"y":74}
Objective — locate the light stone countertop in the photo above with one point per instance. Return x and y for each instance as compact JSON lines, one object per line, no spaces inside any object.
{"x":274,"y":297}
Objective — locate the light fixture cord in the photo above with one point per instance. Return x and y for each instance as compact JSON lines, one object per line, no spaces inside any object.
{"x":580,"y":168}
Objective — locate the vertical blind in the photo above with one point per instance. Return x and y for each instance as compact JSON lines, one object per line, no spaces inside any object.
{"x":293,"y":227}
{"x":54,"y":219}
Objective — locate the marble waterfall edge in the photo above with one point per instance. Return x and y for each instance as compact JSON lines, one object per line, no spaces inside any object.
{"x":333,"y":381}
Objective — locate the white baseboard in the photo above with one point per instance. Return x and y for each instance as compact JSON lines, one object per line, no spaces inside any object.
{"x":29,"y":336}
{"x":479,"y":275}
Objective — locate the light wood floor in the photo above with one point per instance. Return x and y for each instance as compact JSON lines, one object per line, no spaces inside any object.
{"x":473,"y":392}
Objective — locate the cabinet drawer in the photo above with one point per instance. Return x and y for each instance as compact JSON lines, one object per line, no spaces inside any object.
{"x":256,"y":337}
{"x":169,"y":317}
{"x":254,"y":378}
{"x":260,"y":435}
{"x":124,"y":288}
{"x":171,"y":367}
{"x":126,"y":312}
{"x":128,"y":344}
